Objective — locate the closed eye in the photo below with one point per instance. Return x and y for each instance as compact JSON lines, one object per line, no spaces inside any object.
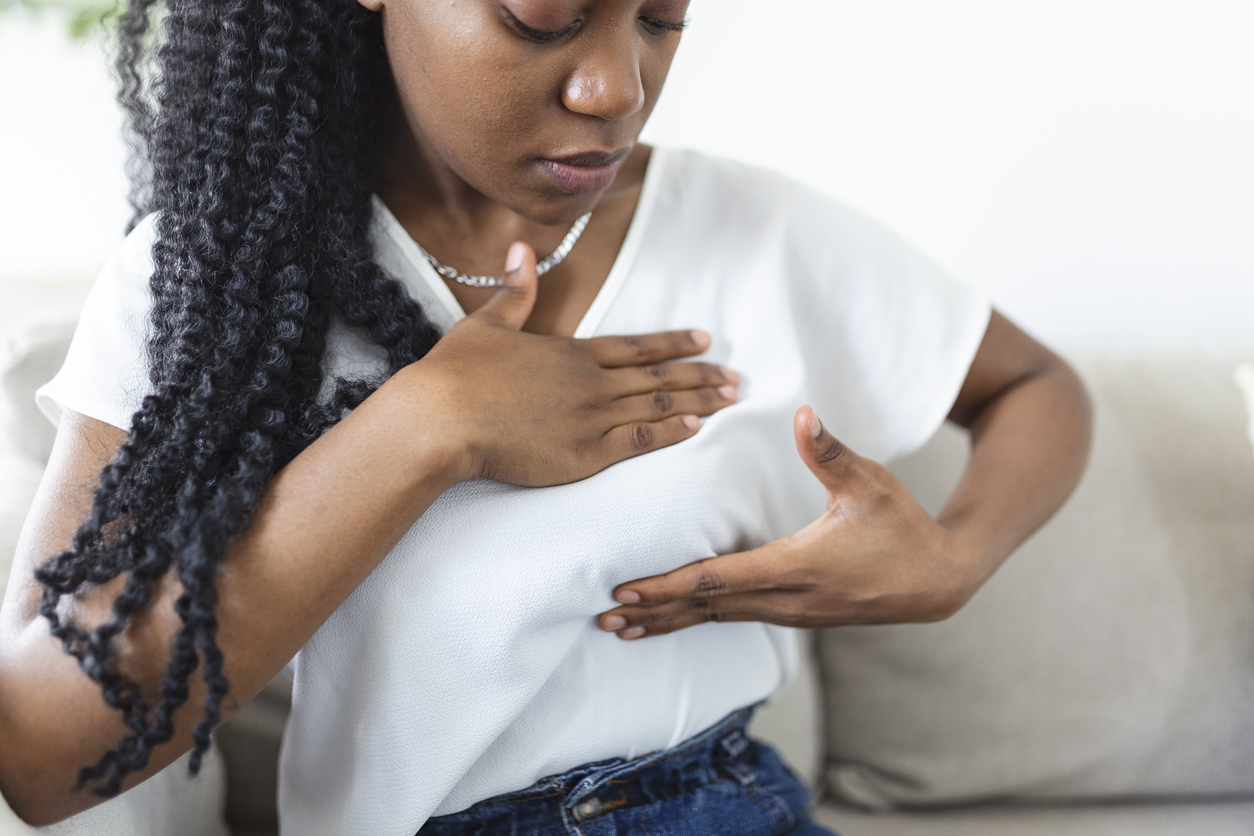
{"x":540,"y":36}
{"x":660,"y":26}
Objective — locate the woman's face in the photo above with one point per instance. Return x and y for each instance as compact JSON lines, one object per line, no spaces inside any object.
{"x":532,"y":103}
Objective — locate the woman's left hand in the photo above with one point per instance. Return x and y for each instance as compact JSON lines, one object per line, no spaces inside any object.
{"x":874,"y":556}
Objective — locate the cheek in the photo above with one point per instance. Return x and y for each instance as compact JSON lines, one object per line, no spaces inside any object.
{"x":469,"y":90}
{"x":654,"y":69}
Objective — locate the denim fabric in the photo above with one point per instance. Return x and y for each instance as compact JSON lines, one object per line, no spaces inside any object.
{"x":719,"y":783}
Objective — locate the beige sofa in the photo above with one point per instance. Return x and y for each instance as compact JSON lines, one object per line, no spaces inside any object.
{"x":1102,"y":684}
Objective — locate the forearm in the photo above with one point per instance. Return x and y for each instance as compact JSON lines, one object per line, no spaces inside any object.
{"x":326,"y":521}
{"x":1029,"y":447}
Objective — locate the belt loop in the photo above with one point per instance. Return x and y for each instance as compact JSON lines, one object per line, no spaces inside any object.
{"x":734,"y":744}
{"x":742,"y":773}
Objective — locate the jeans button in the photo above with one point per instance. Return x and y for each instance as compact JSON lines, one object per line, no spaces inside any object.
{"x":589,"y":809}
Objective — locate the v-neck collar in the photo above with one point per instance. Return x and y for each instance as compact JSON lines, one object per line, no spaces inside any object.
{"x":649,"y":189}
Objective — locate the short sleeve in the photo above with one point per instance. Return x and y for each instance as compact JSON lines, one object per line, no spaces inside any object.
{"x":105,"y":375}
{"x":888,"y":336}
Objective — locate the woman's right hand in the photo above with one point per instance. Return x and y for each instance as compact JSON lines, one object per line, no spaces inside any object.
{"x":535,"y":410}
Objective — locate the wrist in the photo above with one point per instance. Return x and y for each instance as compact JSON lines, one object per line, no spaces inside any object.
{"x":436,"y":440}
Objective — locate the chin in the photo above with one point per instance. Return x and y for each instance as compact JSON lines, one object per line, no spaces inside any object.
{"x":558,"y":209}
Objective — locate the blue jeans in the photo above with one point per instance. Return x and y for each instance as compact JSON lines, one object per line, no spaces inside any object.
{"x":719,"y":783}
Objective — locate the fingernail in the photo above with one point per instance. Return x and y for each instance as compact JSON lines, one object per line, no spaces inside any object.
{"x":701,"y":338}
{"x":627,"y":596}
{"x":514,"y":259}
{"x":612,"y":623}
{"x":691,"y":422}
{"x":815,"y":426}
{"x":730,"y":375}
{"x":632,"y":633}
{"x":728,"y":392}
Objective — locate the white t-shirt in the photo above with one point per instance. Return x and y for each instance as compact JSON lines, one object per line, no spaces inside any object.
{"x":469,"y":663}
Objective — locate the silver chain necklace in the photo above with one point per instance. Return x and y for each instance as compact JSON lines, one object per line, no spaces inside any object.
{"x":556,"y":258}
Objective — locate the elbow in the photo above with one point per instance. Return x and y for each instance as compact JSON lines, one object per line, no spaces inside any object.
{"x":40,"y":741}
{"x":37,"y":794}
{"x":28,"y":801}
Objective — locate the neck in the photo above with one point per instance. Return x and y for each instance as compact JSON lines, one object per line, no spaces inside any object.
{"x":455,"y":222}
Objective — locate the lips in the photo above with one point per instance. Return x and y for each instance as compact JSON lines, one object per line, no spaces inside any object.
{"x":586,"y":172}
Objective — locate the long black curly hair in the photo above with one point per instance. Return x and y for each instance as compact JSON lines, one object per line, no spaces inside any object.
{"x":254,"y":125}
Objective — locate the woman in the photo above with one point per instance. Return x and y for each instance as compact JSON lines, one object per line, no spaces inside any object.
{"x":300,"y":414}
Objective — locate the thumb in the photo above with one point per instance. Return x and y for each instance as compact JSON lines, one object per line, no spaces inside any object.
{"x":832,"y":462}
{"x":510,"y":306}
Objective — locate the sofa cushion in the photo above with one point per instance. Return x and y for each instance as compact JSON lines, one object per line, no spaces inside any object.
{"x":1110,"y":657}
{"x":792,"y":722}
{"x":1205,"y":819}
{"x":170,"y":803}
{"x":249,"y":743}
{"x":33,"y":352}
{"x":1244,"y":376}
{"x":29,"y":356}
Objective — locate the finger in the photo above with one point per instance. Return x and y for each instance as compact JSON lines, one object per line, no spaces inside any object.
{"x":628,"y":440}
{"x":641,"y":380}
{"x":729,"y":574}
{"x":639,"y":615}
{"x":832,"y":462}
{"x":516,"y":296}
{"x":644,"y":349}
{"x":625,"y":617}
{"x":682,"y":622}
{"x":660,"y":404}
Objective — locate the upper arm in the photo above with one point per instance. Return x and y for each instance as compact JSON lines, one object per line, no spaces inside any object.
{"x":1007,"y":358}
{"x":82,"y":448}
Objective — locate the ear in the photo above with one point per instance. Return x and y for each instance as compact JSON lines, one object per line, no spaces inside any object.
{"x":372,"y":5}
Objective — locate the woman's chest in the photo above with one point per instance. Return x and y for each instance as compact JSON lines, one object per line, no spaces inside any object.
{"x":546,"y":556}
{"x":737,"y":484}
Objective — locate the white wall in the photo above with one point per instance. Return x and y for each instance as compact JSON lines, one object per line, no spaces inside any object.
{"x":1087,"y":162}
{"x":62,"y":187}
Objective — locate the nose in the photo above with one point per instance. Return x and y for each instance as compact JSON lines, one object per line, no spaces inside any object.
{"x":606,"y":83}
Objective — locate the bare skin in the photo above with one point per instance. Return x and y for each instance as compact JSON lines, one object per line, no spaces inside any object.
{"x":480,"y":104}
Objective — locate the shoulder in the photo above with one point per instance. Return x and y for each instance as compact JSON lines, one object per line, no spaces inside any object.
{"x":731,"y":184}
{"x":132,"y":261}
{"x":121,"y":299}
{"x":766,"y":226}
{"x":746,"y":203}
{"x":105,"y":374}
{"x":737,"y":184}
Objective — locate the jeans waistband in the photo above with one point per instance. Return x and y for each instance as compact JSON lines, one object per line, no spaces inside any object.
{"x":725,"y":739}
